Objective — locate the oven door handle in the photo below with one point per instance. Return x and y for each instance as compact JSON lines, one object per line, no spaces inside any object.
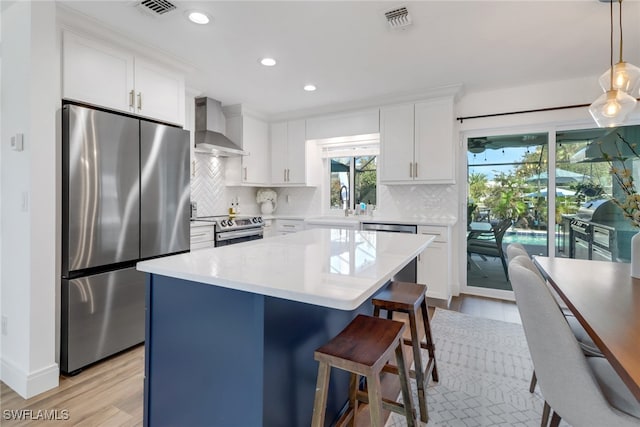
{"x":228,"y":235}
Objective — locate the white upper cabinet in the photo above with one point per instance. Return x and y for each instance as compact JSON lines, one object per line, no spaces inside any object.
{"x":434,"y":146}
{"x":96,"y":73}
{"x":159,"y":92}
{"x":105,"y":76}
{"x":290,"y":154}
{"x":252,"y":134}
{"x":396,"y":143}
{"x":416,"y":143}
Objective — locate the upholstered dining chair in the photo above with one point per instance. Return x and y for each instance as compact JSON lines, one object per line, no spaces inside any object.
{"x":489,"y":242}
{"x":589,"y":348}
{"x":584,"y":391}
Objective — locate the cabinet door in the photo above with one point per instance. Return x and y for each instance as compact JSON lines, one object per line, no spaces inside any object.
{"x":433,"y":270}
{"x":255,"y":140}
{"x":434,"y":145}
{"x":296,"y":152}
{"x":96,"y":73}
{"x":278,"y":153}
{"x":159,"y":93}
{"x":396,"y":143}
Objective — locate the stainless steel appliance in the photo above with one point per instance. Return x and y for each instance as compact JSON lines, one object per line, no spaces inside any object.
{"x":580,"y":239}
{"x":610,"y":231}
{"x":125,"y":190}
{"x":210,"y":128}
{"x":409,"y":272}
{"x":229,"y":231}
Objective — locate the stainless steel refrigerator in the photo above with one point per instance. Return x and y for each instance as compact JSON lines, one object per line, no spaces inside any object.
{"x":125,"y":189}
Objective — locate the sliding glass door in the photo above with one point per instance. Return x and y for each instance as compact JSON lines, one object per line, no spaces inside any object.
{"x":511,"y":189}
{"x":507,"y":202}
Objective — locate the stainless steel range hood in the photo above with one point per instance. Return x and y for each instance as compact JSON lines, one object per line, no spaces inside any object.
{"x":209,"y":135}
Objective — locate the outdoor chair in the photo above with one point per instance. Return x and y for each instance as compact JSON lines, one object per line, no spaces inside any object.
{"x":489,"y":243}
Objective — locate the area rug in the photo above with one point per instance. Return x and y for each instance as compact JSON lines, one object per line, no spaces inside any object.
{"x":485,"y":369}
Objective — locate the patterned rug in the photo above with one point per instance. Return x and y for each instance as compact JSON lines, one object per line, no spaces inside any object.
{"x":485,"y":369}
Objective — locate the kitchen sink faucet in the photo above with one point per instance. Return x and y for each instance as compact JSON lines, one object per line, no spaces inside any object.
{"x":344,"y":198}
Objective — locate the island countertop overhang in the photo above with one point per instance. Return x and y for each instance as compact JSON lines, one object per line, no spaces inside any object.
{"x":332,"y":268}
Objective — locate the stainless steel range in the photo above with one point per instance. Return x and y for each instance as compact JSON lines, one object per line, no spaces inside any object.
{"x":229,"y":231}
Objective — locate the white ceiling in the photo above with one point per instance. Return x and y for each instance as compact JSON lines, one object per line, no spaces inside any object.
{"x":346,"y":49}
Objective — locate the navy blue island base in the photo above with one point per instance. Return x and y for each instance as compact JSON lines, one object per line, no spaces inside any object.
{"x":219,"y":357}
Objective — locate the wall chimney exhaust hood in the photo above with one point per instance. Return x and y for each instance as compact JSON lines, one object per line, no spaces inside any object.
{"x":209,"y":135}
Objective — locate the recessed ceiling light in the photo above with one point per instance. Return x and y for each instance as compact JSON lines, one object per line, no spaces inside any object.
{"x":198,"y":17}
{"x":268,"y":62}
{"x":309,"y":88}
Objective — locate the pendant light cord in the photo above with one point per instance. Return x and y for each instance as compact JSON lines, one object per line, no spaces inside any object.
{"x":611,"y":43}
{"x":620,"y":3}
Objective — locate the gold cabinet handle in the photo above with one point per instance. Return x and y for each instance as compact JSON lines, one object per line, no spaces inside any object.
{"x":245,"y":173}
{"x":131,"y":98}
{"x":411,"y":170}
{"x":139,"y":100}
{"x":415,"y":174}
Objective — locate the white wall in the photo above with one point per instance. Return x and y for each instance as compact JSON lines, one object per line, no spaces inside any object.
{"x":30,"y":103}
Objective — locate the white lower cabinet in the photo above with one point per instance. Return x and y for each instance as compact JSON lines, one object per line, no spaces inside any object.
{"x":201,"y":235}
{"x":434,"y":264}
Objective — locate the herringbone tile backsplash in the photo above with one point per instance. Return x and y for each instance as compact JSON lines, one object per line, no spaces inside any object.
{"x":214,"y":198}
{"x":209,"y":191}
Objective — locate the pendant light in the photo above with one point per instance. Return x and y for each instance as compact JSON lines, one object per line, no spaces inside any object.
{"x":612,"y":107}
{"x":625,"y":76}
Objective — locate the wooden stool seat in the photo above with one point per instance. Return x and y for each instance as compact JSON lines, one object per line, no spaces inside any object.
{"x":409,"y":298}
{"x":363,"y":348}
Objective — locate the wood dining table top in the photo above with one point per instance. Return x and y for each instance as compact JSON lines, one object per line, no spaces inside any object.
{"x":606,"y":301}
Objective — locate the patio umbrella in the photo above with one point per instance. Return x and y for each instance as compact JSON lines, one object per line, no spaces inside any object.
{"x":560,"y":192}
{"x":562,"y":177}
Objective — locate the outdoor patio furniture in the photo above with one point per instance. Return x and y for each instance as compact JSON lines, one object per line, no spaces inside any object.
{"x":489,"y":243}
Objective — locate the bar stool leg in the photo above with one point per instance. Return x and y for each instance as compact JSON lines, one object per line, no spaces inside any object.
{"x":354,"y":384}
{"x":375,"y":399}
{"x":322,"y":389}
{"x":403,"y":373}
{"x":417,"y":359}
{"x":430,"y":347}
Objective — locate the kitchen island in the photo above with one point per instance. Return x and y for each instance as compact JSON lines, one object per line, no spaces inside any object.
{"x":230,"y":331}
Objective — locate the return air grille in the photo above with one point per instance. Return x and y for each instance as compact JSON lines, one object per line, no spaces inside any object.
{"x":398,"y":18}
{"x":159,"y":7}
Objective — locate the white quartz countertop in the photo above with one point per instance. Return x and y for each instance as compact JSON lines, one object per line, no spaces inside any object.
{"x":328,"y":267}
{"x":383,"y":219}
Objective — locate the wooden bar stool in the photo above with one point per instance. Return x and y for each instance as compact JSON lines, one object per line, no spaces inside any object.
{"x":408,"y":298}
{"x":363,"y":348}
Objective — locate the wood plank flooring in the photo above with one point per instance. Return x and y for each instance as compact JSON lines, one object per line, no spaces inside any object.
{"x":110,"y":393}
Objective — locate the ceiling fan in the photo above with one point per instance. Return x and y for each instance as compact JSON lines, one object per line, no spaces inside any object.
{"x":477,"y":145}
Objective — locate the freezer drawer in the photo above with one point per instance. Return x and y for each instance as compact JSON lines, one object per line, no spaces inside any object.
{"x":100,"y":315}
{"x":100,"y":189}
{"x":165,"y":190}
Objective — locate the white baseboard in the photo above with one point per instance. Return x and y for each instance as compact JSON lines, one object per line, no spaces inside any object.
{"x":31,"y":384}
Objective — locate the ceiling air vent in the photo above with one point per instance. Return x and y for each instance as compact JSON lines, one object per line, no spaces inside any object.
{"x":398,"y":18}
{"x":156,"y":7}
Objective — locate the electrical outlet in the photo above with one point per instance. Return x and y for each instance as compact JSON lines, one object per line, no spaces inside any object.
{"x":4,"y":325}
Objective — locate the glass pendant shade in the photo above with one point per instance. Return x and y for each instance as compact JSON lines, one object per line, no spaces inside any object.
{"x":626,"y":77}
{"x":612,"y":108}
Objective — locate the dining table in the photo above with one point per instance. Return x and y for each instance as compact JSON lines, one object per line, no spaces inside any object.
{"x":606,"y":301}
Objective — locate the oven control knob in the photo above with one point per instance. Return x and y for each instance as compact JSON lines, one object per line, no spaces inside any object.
{"x":230,"y":223}
{"x":223,"y":223}
{"x":259,"y":219}
{"x":254,"y":220}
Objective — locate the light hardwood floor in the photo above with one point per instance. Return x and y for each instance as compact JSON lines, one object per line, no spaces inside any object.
{"x":110,"y":393}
